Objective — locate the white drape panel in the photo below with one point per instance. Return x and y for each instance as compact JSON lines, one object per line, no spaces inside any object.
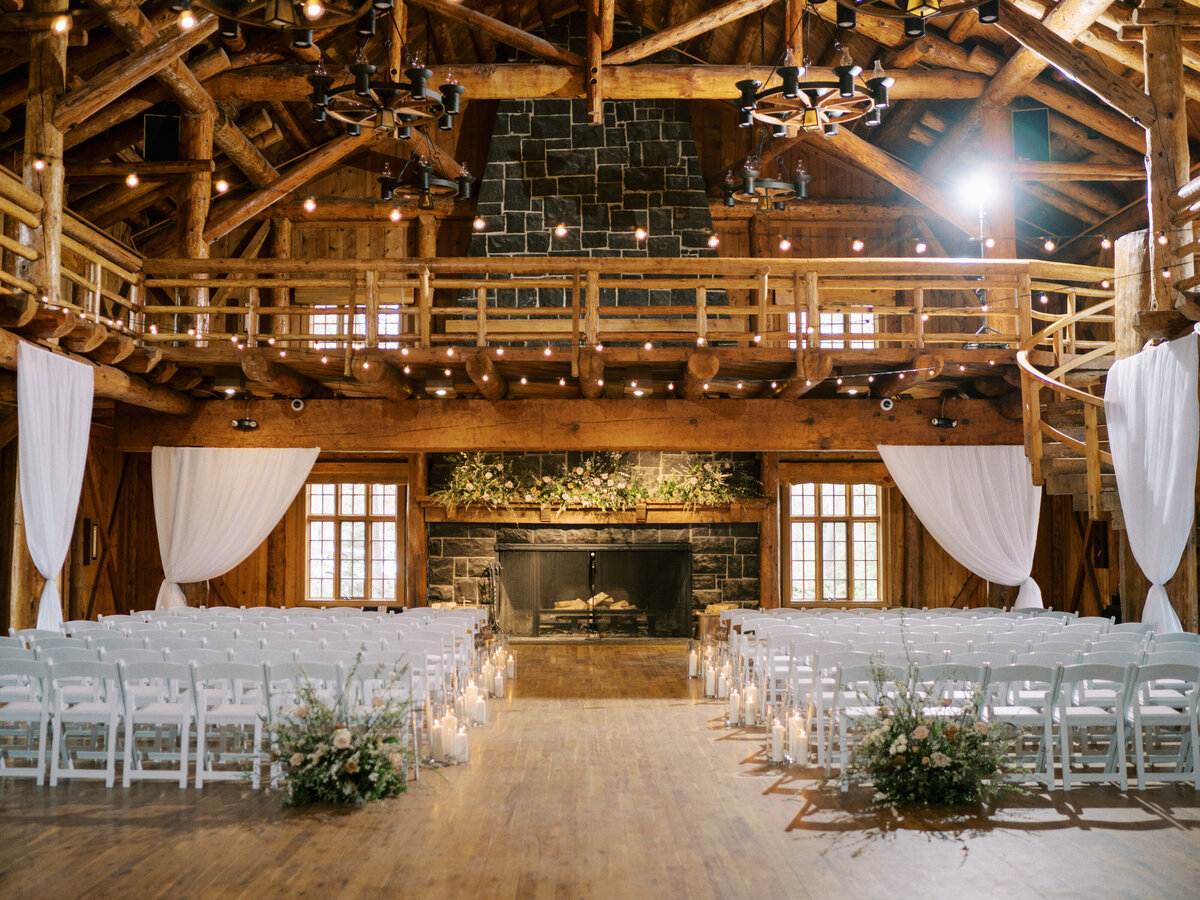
{"x":979,"y":503}
{"x":1153,"y":430}
{"x":214,"y":506}
{"x":54,"y":417}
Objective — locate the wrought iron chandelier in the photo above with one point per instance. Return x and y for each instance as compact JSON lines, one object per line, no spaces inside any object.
{"x":386,"y":106}
{"x":915,"y":12}
{"x":796,"y":104}
{"x":766,"y":193}
{"x":418,"y":179}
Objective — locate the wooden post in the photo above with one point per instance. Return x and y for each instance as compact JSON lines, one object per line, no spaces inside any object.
{"x":912,"y":558}
{"x":281,"y":240}
{"x":425,"y":307}
{"x":919,"y":316}
{"x":591,"y":307}
{"x":427,"y":236}
{"x":812,"y":336}
{"x":1001,"y":217}
{"x":44,"y":146}
{"x":196,"y":142}
{"x":770,"y":595}
{"x":481,"y":317}
{"x":1024,"y":307}
{"x":763,"y":293}
{"x":372,"y":315}
{"x":1131,"y":288}
{"x":417,"y":557}
{"x":702,"y":313}
{"x":1167,"y":160}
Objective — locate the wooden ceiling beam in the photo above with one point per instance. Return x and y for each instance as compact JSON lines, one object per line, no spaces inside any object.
{"x":138,"y":101}
{"x":533,"y":81}
{"x":685,"y":31}
{"x":1062,"y":202}
{"x":113,"y":384}
{"x":1031,"y":170}
{"x":486,"y":377}
{"x":501,"y":31}
{"x":259,"y":367}
{"x":381,"y":379}
{"x":591,"y":374}
{"x":133,"y":28}
{"x":1068,"y":19}
{"x":1079,"y":66}
{"x":233,"y":213}
{"x":812,"y":367}
{"x":701,"y":368}
{"x":607,"y":15}
{"x":110,"y":83}
{"x":924,"y":367}
{"x":576,"y":424}
{"x":816,"y":211}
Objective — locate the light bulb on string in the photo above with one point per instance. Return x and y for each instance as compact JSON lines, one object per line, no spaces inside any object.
{"x":785,"y":244}
{"x":1162,"y":239}
{"x":1048,"y":245}
{"x":60,"y":24}
{"x":39,"y":164}
{"x":546,"y":352}
{"x":648,"y":346}
{"x":1105,"y":243}
{"x":395,"y":215}
{"x":989,"y":242}
{"x":921,"y":247}
{"x":560,"y":230}
{"x":857,"y":245}
{"x":499,"y":351}
{"x":524,"y":380}
{"x":562,"y":382}
{"x":310,"y":203}
{"x":639,"y":234}
{"x":408,"y":370}
{"x":479,"y":224}
{"x":221,"y":185}
{"x":713,"y":241}
{"x":187,"y":20}
{"x":671,"y":386}
{"x":313,"y":10}
{"x":132,"y":180}
{"x":1043,"y":299}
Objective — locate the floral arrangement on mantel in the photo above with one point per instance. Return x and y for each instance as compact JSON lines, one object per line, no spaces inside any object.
{"x":333,"y":753}
{"x":601,"y":481}
{"x":917,"y":753}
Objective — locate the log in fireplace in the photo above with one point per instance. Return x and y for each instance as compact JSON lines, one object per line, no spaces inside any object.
{"x":621,"y":589}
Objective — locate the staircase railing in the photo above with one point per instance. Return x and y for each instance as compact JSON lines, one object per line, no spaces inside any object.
{"x":1060,"y":336}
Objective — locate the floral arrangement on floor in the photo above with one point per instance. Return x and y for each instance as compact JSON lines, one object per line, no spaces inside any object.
{"x":917,"y":750}
{"x":333,"y":753}
{"x":602,"y":481}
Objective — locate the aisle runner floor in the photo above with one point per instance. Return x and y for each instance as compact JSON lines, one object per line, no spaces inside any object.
{"x":604,"y":774}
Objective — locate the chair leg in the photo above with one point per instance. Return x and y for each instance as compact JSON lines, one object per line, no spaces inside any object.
{"x":55,"y":741}
{"x":110,"y":771}
{"x":130,"y":749}
{"x":1122,"y":761}
{"x":40,"y":779}
{"x":1064,"y":733}
{"x":185,"y":732}
{"x":1139,"y":752}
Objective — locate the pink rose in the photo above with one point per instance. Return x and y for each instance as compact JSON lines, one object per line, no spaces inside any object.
{"x":920,"y":733}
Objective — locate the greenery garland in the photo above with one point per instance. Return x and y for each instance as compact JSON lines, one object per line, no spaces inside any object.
{"x":602,"y":481}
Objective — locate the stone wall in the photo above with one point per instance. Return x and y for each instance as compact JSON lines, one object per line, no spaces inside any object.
{"x":724,"y":556}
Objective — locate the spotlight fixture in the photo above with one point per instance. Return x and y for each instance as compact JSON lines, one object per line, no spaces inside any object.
{"x":943,"y":422}
{"x":229,"y":384}
{"x":639,"y":383}
{"x":439,"y":385}
{"x":245,"y":424}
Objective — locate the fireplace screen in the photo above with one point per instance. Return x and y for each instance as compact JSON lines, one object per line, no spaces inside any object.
{"x":604,"y":589}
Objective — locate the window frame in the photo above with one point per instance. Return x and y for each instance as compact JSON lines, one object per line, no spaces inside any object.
{"x":353,"y":473}
{"x":818,"y":519}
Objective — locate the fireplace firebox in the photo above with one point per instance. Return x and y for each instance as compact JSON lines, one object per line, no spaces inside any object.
{"x":603,"y":589}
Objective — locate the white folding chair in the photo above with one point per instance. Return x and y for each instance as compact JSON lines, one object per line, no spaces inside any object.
{"x":858,"y":693}
{"x":1102,"y":726}
{"x":230,"y":709}
{"x":86,"y":713}
{"x":24,"y":717}
{"x":1022,"y":696}
{"x":158,"y":706}
{"x":1165,"y":726}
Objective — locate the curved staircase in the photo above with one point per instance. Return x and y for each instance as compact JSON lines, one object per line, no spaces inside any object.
{"x":1062,"y":388}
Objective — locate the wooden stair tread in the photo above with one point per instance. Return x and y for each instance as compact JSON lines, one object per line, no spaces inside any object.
{"x":1058,"y":484}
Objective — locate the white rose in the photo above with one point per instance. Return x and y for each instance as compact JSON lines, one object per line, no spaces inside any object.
{"x":341,"y":738}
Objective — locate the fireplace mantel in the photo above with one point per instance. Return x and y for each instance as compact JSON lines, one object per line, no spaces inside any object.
{"x":649,"y":513}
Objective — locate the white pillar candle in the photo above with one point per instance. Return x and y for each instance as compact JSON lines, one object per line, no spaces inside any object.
{"x":801,"y":752}
{"x":460,"y":745}
{"x":489,"y":672}
{"x":735,"y":706}
{"x":710,"y":680}
{"x":722,"y":687}
{"x":795,"y":727}
{"x":435,"y":740}
{"x":693,"y":664}
{"x":777,"y":734}
{"x":479,"y":716}
{"x":498,"y":689}
{"x":751,"y":701}
{"x":510,"y":667}
{"x":450,"y":724}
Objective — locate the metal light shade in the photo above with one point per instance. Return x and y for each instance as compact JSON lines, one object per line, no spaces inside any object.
{"x":279,"y":14}
{"x":791,"y":81}
{"x":749,"y":174}
{"x":365,"y":26}
{"x":989,"y":12}
{"x":320,"y":85}
{"x":845,"y":76}
{"x":872,"y":118}
{"x":749,"y":91}
{"x":362,"y":73}
{"x":831,"y":129}
{"x":382,"y":5}
{"x":228,"y":28}
{"x":353,"y":130}
{"x":465,"y":180}
{"x":450,"y":95}
{"x":914,"y":26}
{"x":417,"y":78}
{"x":445,"y":122}
{"x":879,"y":91}
{"x":302,"y":38}
{"x":729,"y":201}
{"x":745,"y":118}
{"x":847,"y":17}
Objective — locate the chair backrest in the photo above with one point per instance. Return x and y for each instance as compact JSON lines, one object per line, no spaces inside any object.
{"x":110,"y":640}
{"x":940,"y":679}
{"x":1119,"y":678}
{"x":1117,"y":656}
{"x":18,"y":652}
{"x":99,"y":678}
{"x":1173,"y":653}
{"x":1005,"y":646}
{"x":284,"y":681}
{"x":1134,"y":628}
{"x":1040,"y":657}
{"x":1113,"y":638}
{"x":168,"y":681}
{"x":1182,"y":676}
{"x":24,"y":680}
{"x":990,"y":657}
{"x":228,"y":682}
{"x":64,"y":654}
{"x":259,"y":656}
{"x":188,"y":655}
{"x":33,"y":635}
{"x":1023,"y":684}
{"x":49,"y":643}
{"x":130,"y":655}
{"x":1181,"y":637}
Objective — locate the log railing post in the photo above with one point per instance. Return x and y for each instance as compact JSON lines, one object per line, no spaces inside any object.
{"x":1092,"y":452}
{"x":702,"y":314}
{"x":481,"y":317}
{"x":812,"y":333}
{"x":764,"y":291}
{"x":372,"y":323}
{"x":425,"y":306}
{"x":1024,"y":308}
{"x":919,"y":316}
{"x":592,"y":307}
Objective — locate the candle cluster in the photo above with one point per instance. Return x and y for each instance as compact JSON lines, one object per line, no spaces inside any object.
{"x":447,"y":722}
{"x":748,"y":705}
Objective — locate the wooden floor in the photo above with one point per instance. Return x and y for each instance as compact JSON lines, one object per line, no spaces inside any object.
{"x":603,"y":775}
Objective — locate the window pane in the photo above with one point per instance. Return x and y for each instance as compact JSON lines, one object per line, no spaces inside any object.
{"x":383,"y":560}
{"x":833,"y":500}
{"x":321,"y":559}
{"x":863,"y":500}
{"x":354,"y":500}
{"x":834,"y":580}
{"x":804,"y":561}
{"x":861,"y":323}
{"x":866,"y":560}
{"x":353,"y":562}
{"x":804,"y":500}
{"x":325,"y":323}
{"x":383,"y":499}
{"x":831,"y":323}
{"x":320,"y":499}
